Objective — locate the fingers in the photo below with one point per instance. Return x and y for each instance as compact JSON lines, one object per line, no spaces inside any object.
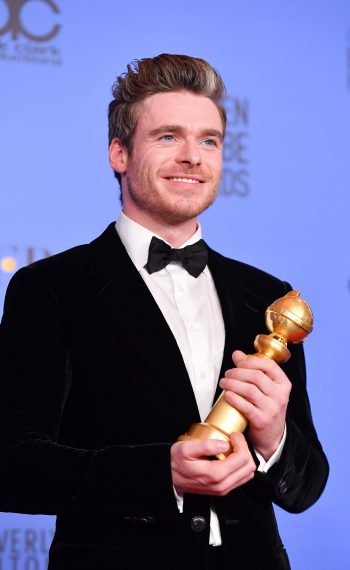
{"x":259,"y":389}
{"x":255,"y":395}
{"x":238,"y":356}
{"x":238,"y":468}
{"x":254,"y":378}
{"x":259,"y":410}
{"x":193,"y":473}
{"x":238,"y":442}
{"x":252,"y":382}
{"x":266,"y":365}
{"x":202,"y":449}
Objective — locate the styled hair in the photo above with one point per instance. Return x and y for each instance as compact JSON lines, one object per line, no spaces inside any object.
{"x":160,"y":74}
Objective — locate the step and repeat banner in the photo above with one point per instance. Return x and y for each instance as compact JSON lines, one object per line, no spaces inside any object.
{"x":284,"y":198}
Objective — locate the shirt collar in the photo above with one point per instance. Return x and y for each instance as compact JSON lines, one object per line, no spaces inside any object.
{"x":136,"y":240}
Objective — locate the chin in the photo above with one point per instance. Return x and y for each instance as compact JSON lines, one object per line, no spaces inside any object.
{"x":186,"y":211}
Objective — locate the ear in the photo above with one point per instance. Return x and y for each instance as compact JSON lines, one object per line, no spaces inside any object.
{"x":118,"y":156}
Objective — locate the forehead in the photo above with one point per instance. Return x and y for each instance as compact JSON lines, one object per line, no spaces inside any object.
{"x":180,"y":108}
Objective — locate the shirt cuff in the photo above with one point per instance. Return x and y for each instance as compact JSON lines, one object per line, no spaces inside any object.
{"x":179,"y":499}
{"x":264,"y":466}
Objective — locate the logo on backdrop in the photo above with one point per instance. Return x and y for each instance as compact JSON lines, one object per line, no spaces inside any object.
{"x":235,"y":172}
{"x":12,"y":257}
{"x":27,"y":28}
{"x":24,"y":548}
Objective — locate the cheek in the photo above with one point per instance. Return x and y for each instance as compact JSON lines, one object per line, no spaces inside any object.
{"x":148,"y":165}
{"x":139,"y":170}
{"x":218,"y":165}
{"x":215,"y":165}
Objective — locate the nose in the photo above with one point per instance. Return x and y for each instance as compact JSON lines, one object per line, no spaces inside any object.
{"x":189,"y":153}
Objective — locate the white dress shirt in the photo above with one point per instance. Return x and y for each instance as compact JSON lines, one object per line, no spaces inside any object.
{"x":192,"y":310}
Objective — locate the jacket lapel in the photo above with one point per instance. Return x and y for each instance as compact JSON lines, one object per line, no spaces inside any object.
{"x":243,"y":310}
{"x":126,"y":300}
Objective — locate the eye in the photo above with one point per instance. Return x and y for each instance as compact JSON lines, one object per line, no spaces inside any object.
{"x":167,"y":138}
{"x":210,"y":142}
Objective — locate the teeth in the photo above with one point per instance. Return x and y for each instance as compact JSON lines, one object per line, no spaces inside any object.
{"x":190,"y":180}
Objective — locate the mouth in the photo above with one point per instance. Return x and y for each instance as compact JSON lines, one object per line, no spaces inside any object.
{"x":185,"y":179}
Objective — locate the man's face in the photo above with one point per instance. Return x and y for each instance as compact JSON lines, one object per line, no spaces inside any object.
{"x":174,"y":170}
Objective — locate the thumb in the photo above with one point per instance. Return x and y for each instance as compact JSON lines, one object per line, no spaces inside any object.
{"x":237,"y":356}
{"x":238,"y":442}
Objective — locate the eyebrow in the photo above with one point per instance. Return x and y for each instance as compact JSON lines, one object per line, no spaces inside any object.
{"x":178,"y":128}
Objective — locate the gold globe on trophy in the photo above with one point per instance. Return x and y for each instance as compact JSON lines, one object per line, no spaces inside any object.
{"x":289,"y":319}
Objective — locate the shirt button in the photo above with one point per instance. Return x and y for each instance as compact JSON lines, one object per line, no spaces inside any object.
{"x":198,"y":523}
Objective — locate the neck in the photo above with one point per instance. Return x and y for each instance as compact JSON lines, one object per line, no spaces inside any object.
{"x":175,"y":234}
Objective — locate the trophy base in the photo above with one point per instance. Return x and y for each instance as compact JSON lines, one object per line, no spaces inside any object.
{"x":207,"y":431}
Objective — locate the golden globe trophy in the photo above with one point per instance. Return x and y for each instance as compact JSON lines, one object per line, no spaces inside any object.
{"x":289,"y":319}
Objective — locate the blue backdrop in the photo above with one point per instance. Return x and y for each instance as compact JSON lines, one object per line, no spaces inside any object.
{"x":284,"y":198}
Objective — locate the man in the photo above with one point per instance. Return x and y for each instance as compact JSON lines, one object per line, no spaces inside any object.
{"x":109,"y":355}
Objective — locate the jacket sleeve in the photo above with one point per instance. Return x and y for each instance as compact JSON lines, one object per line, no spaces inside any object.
{"x":298,"y":479}
{"x":37,"y":474}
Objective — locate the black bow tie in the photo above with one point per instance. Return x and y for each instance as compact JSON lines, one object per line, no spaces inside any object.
{"x":193,"y":257}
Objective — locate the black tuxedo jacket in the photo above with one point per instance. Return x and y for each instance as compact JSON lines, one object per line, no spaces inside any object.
{"x":94,"y":392}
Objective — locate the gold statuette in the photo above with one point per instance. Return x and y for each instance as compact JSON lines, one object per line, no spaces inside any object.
{"x":289,"y":319}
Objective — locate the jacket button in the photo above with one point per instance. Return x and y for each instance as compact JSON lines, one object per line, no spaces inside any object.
{"x":282,"y":487}
{"x":198,"y":523}
{"x":147,"y":520}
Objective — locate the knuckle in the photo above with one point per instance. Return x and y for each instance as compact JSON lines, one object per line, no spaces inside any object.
{"x":255,"y":418}
{"x":216,"y":479}
{"x":252,"y":391}
{"x":227,"y":385}
{"x":177,"y":450}
{"x":260,"y":375}
{"x":252,"y":466}
{"x":270,"y":364}
{"x":284,"y":401}
{"x":263,"y":424}
{"x":182,"y":452}
{"x":222,"y":490}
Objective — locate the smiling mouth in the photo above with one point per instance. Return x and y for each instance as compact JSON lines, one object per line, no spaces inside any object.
{"x":187,"y":180}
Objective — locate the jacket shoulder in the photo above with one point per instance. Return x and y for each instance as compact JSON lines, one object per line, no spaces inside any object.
{"x":66,"y":274}
{"x":72,"y":261}
{"x":249,"y":277}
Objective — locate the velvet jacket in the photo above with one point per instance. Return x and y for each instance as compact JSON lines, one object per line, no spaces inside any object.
{"x":94,"y":392}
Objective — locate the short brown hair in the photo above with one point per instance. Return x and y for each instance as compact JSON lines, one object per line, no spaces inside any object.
{"x":163,"y":73}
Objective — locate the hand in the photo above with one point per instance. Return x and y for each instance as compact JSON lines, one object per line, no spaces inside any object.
{"x":193,"y":472}
{"x":259,"y":389}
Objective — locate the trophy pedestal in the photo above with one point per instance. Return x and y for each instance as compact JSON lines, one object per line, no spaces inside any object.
{"x":222,"y":420}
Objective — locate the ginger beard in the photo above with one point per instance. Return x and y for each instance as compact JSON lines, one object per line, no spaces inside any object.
{"x":172,"y":205}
